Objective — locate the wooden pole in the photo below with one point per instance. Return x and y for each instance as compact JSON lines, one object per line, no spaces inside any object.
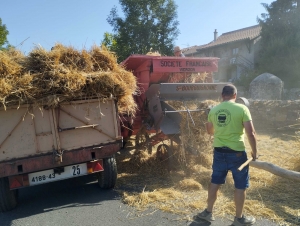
{"x":245,"y":164}
{"x":276,"y":170}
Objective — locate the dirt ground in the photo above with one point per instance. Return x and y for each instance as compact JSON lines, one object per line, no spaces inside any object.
{"x":147,"y":182}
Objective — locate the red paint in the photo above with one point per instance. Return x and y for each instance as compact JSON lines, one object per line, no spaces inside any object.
{"x":96,"y":165}
{"x":162,"y":69}
{"x":15,"y":182}
{"x":25,"y":180}
{"x":185,"y":64}
{"x":39,"y":163}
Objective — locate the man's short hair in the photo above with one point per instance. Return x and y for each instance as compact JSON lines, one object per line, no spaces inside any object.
{"x":177,"y":49}
{"x":229,"y":90}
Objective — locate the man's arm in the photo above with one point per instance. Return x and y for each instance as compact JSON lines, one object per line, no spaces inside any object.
{"x":209,"y":128}
{"x":249,"y":128}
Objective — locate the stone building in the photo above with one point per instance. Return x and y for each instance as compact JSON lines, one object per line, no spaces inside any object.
{"x":237,"y":51}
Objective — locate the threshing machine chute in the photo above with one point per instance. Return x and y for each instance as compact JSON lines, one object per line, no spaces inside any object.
{"x":166,"y":118}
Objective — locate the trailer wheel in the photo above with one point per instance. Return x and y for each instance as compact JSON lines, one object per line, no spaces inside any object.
{"x":163,"y":152}
{"x":107,"y":178}
{"x":8,"y":198}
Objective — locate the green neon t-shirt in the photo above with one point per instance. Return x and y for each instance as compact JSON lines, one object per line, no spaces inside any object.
{"x":227,"y":119}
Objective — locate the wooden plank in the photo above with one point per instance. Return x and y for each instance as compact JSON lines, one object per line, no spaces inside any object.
{"x":276,"y":170}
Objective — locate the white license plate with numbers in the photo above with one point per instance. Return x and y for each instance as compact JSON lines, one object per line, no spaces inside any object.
{"x":49,"y":175}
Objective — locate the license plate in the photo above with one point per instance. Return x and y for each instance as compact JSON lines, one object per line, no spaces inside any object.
{"x":49,"y":175}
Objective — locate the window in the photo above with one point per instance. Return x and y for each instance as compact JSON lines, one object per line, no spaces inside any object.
{"x":235,"y":51}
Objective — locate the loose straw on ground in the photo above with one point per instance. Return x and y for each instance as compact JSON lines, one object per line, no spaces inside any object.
{"x":269,"y":196}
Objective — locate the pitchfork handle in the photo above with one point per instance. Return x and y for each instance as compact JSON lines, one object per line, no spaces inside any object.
{"x":245,"y":164}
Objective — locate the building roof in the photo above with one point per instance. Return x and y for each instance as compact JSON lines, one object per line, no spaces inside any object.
{"x":233,"y":36}
{"x":190,"y":50}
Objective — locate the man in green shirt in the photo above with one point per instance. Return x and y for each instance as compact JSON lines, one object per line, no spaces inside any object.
{"x":228,"y":122}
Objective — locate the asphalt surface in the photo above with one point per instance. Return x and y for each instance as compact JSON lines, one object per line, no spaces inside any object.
{"x":79,"y":201}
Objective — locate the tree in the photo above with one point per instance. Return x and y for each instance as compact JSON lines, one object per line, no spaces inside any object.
{"x":3,"y":35}
{"x":280,"y":41}
{"x":109,"y":41}
{"x":147,"y":24}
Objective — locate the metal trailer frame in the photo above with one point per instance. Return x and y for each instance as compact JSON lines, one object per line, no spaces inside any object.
{"x":35,"y":140}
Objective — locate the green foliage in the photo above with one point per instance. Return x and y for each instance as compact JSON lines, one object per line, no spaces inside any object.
{"x":109,"y":41}
{"x":280,"y":41}
{"x":147,"y":24}
{"x":246,"y":78}
{"x":3,"y":35}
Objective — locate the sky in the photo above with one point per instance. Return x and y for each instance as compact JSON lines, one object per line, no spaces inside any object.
{"x":82,"y":23}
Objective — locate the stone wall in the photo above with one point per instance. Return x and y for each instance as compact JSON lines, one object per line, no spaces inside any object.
{"x":288,"y":94}
{"x":275,"y":114}
{"x":291,"y":94}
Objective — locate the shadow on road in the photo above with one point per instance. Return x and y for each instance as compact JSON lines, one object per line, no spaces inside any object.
{"x":75,"y":192}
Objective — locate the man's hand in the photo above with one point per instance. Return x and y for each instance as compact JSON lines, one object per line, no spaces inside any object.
{"x":254,"y":156}
{"x":208,"y":109}
{"x":209,"y":128}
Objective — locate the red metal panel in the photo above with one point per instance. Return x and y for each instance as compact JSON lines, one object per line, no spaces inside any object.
{"x":135,"y":61}
{"x":160,"y":68}
{"x":185,"y":64}
{"x":172,"y":64}
{"x":38,"y":163}
{"x":158,"y":77}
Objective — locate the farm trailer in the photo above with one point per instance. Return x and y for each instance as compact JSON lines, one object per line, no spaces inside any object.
{"x":38,"y":146}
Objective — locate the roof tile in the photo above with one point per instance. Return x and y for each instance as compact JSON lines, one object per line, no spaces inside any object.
{"x":232,"y":36}
{"x":190,"y":50}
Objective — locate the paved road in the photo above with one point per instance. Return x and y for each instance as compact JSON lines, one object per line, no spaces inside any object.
{"x":79,"y":201}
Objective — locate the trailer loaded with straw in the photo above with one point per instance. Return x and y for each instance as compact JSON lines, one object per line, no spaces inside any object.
{"x":60,"y":117}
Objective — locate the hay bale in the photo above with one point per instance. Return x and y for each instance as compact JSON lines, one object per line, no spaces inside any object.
{"x":9,"y":68}
{"x":102,"y":59}
{"x":10,"y":74}
{"x":72,"y":58}
{"x":65,"y":74}
{"x":16,"y":55}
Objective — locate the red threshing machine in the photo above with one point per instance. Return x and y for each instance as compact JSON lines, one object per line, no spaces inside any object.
{"x":161,"y":79}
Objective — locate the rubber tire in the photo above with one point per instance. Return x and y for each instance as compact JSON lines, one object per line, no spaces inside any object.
{"x":107,"y":179}
{"x":8,"y":198}
{"x":163,"y":152}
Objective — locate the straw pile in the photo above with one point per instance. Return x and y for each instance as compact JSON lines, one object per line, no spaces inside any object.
{"x":48,"y":78}
{"x":153,"y":53}
{"x":194,"y":138}
{"x":199,"y":77}
{"x":269,"y":196}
